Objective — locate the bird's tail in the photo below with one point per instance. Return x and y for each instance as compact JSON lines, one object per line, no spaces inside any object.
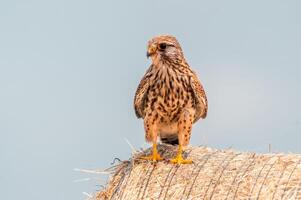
{"x":170,"y":139}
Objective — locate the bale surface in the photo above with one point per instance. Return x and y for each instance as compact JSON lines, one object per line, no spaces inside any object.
{"x":215,"y":174}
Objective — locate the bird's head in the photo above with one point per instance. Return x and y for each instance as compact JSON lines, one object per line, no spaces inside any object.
{"x":164,"y":48}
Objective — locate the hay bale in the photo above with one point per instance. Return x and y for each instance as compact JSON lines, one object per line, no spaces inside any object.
{"x":215,"y":174}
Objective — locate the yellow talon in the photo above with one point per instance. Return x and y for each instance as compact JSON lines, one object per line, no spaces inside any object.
{"x":179,"y":159}
{"x":155,"y":156}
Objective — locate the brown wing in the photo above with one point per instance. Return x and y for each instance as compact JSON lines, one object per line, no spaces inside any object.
{"x":140,"y":95}
{"x":201,"y":104}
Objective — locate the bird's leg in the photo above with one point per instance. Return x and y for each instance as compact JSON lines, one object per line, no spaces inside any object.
{"x":150,"y":125}
{"x":179,"y":159}
{"x":184,"y":125}
{"x":155,"y":156}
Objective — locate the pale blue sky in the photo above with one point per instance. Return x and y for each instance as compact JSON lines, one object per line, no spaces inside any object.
{"x":69,"y":71}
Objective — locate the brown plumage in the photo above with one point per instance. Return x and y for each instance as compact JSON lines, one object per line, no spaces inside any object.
{"x":170,"y":97}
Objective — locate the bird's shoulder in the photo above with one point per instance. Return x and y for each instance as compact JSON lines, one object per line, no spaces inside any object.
{"x":141,"y":92}
{"x":201,"y":103}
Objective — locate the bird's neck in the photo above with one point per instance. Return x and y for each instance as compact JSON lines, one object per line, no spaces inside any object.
{"x":167,"y":65}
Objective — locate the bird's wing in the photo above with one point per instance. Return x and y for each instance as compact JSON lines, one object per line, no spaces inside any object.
{"x":140,"y":95}
{"x":201,"y":104}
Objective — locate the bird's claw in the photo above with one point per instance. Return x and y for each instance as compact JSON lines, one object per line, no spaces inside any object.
{"x":180,"y":160}
{"x":154,"y":157}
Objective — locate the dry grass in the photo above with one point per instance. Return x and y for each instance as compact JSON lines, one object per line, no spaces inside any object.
{"x":215,"y":174}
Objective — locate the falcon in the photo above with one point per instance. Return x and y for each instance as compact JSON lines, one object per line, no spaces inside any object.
{"x":170,"y":98}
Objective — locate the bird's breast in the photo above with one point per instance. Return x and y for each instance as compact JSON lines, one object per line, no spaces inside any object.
{"x":168,"y":95}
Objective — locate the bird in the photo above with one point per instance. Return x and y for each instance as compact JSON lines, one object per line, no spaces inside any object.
{"x":170,"y":98}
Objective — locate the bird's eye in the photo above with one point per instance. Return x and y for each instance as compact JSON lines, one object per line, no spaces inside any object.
{"x":162,"y":46}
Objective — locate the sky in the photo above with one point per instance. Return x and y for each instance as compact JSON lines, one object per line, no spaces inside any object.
{"x":69,"y":70}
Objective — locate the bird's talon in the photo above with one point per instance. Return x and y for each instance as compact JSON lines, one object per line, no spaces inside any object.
{"x":175,"y":161}
{"x":179,"y":160}
{"x":154,"y":157}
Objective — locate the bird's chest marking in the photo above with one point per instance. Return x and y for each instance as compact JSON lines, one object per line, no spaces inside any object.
{"x":169,"y":94}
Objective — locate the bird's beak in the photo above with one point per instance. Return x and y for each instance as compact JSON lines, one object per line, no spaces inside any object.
{"x":151,"y":50}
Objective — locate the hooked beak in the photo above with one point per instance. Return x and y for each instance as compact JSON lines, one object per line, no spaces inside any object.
{"x":151,"y":50}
